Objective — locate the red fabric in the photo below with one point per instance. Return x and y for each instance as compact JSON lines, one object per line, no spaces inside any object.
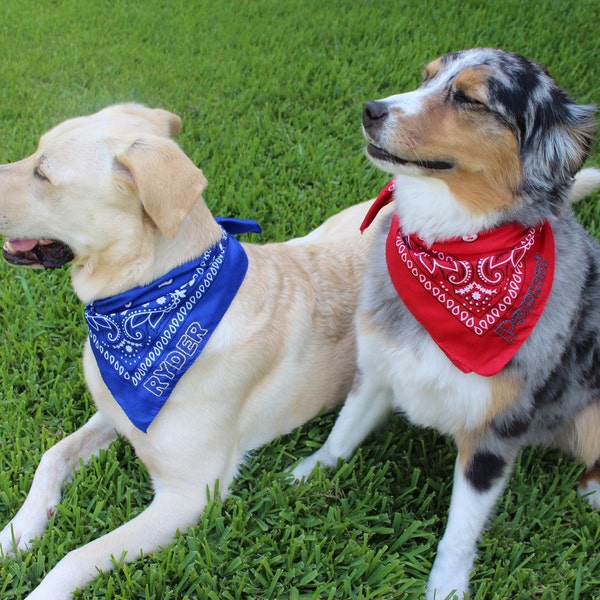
{"x":385,"y":197}
{"x":479,"y":297}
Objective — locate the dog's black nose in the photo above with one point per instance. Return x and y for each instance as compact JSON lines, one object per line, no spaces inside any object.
{"x":374,"y":113}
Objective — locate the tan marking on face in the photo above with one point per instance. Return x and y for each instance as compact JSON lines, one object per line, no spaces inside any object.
{"x":473,"y":83}
{"x":484,"y":151}
{"x":432,"y":68}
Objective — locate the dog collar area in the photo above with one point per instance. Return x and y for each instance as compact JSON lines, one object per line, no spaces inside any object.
{"x":146,"y":339}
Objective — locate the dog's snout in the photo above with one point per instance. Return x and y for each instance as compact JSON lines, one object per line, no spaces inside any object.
{"x":374,"y":113}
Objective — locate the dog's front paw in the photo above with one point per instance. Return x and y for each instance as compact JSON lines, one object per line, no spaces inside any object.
{"x":444,"y":584}
{"x":590,"y":490}
{"x":446,"y":590}
{"x":442,"y":594}
{"x":25,"y":527}
{"x":12,"y":540}
{"x":304,"y":469}
{"x":307,"y":466}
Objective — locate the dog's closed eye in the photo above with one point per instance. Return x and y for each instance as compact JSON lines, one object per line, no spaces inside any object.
{"x":461,"y":98}
{"x":40,"y":175}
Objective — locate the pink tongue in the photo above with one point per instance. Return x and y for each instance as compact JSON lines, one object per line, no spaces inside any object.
{"x":23,"y":245}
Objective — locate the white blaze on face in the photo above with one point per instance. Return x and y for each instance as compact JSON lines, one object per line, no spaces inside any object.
{"x":410,"y":103}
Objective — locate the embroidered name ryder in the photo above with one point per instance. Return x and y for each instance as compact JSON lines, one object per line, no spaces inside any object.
{"x":185,"y":350}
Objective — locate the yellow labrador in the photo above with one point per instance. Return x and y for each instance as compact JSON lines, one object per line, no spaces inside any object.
{"x":113,"y":195}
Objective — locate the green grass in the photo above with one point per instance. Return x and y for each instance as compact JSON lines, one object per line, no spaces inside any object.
{"x":270,"y":92}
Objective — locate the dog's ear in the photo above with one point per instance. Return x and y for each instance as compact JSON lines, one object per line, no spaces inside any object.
{"x":560,"y":136}
{"x":164,"y":122}
{"x":571,"y":136}
{"x":581,"y":126}
{"x":166,"y":181}
{"x":168,"y":121}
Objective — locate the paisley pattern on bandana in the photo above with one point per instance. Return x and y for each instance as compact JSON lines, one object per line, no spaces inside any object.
{"x":147,"y":338}
{"x":480,"y":296}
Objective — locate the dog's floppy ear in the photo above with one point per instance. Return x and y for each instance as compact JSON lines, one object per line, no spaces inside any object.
{"x":560,"y":136}
{"x":164,"y":122}
{"x":166,"y":181}
{"x":581,"y":127}
{"x":169,"y":122}
{"x":571,"y":134}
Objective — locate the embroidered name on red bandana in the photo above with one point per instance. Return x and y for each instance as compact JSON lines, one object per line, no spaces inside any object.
{"x":479,"y":297}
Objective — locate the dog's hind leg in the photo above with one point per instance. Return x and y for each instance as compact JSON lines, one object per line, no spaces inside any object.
{"x":366,"y":406}
{"x":587,"y":428}
{"x":589,"y":485}
{"x":479,"y":479}
{"x":582,"y":440}
{"x":56,"y":466}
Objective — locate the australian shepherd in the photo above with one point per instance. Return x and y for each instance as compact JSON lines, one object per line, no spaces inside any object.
{"x":480,"y":316}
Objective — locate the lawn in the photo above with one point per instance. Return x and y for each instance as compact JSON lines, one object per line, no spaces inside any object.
{"x":270,"y":93}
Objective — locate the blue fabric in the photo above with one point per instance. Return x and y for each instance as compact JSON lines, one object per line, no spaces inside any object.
{"x":236,"y":226}
{"x":144,"y":340}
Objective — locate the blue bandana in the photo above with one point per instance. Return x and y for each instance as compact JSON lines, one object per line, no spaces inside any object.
{"x":145,"y":339}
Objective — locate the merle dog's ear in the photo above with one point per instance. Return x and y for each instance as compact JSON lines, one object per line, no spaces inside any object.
{"x":579,"y":130}
{"x":560,"y":135}
{"x":166,"y":181}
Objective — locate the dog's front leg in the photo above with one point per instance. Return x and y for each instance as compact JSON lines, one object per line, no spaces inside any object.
{"x":184,"y":470}
{"x":479,"y":478}
{"x":367,"y":405}
{"x":56,"y":466}
{"x":171,"y":510}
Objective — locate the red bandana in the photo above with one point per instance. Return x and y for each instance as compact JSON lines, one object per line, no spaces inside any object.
{"x":480,"y":296}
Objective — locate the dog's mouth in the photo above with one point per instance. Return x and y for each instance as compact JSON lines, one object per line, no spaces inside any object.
{"x":433,"y":165}
{"x":49,"y":254}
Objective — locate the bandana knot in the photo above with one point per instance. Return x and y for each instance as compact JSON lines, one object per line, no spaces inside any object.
{"x":145,"y":339}
{"x":480,"y":296}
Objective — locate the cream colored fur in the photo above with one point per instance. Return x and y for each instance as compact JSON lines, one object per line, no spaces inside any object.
{"x":127,"y":201}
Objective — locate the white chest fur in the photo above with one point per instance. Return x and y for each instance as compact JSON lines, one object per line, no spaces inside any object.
{"x":427,"y":387}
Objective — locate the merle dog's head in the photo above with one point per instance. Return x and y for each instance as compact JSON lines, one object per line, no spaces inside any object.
{"x":494,"y":126}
